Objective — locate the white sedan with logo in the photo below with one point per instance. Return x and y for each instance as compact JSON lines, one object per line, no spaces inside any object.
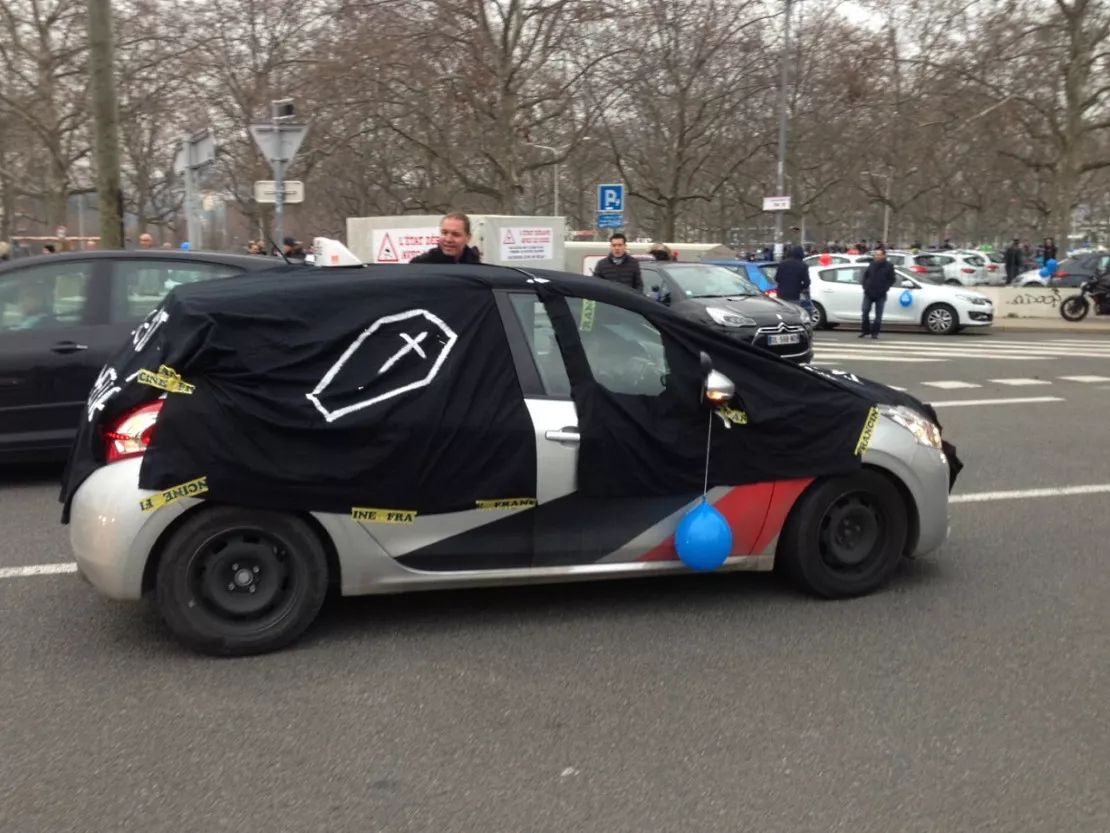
{"x":837,"y":293}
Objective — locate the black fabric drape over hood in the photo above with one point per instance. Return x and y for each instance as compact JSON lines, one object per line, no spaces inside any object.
{"x":394,"y":388}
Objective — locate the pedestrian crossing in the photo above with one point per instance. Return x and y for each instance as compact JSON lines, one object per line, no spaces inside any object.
{"x":830,"y":351}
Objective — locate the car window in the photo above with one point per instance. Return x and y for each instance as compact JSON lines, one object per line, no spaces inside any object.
{"x":138,"y":286}
{"x":975,"y":260}
{"x":848,"y":274}
{"x":705,"y":281}
{"x":769,"y":272}
{"x":1104,"y":263}
{"x":624,"y":350}
{"x":927,"y":260}
{"x":897,"y":260}
{"x":536,"y":324}
{"x":815,"y":260}
{"x":45,"y":296}
{"x":943,"y":260}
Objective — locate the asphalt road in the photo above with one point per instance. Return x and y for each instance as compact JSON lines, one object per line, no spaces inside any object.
{"x":969,"y":696}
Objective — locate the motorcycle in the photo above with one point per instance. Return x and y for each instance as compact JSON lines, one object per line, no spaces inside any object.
{"x":1076,"y":307}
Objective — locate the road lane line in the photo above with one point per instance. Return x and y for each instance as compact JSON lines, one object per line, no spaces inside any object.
{"x":1017,"y":400}
{"x":1030,"y":494}
{"x":952,"y":385}
{"x":1020,"y":382}
{"x":1086,"y":379}
{"x":38,"y":570}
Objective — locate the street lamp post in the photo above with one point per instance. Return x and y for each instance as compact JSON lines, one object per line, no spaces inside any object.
{"x":783,"y":126}
{"x":555,"y":189}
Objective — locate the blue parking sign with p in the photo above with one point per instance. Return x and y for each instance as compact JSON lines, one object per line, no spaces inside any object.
{"x":610,"y":198}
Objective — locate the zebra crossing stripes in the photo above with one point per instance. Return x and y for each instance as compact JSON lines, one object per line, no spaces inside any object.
{"x":935,"y":350}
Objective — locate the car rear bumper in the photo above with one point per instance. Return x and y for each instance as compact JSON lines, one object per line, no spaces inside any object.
{"x":109,"y":533}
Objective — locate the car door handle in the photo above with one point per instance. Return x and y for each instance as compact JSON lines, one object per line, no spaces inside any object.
{"x":564,"y":435}
{"x":69,"y":347}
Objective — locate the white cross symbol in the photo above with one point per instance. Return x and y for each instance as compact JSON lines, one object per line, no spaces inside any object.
{"x":410,"y":344}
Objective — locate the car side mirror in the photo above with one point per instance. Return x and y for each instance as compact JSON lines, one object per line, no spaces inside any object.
{"x":718,"y":387}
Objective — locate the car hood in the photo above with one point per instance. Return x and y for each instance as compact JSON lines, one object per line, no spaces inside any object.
{"x":762,"y":309}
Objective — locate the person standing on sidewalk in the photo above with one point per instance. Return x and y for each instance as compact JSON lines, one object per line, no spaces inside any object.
{"x":877,"y":281}
{"x":1015,"y":259}
{"x":620,"y":267}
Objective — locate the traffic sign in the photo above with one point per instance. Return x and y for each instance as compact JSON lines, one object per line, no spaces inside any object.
{"x":265,"y":191}
{"x":195,"y":151}
{"x":280,"y":142}
{"x":610,"y":198}
{"x":610,"y":220}
{"x":776,"y":203}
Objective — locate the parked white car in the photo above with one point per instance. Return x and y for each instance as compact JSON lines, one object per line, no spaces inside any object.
{"x":966,"y":269}
{"x":837,"y":294}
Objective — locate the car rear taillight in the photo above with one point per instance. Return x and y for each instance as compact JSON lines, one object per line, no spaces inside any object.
{"x":993,"y":267}
{"x":921,"y":270}
{"x":967,"y":271}
{"x":132,"y":433}
{"x":1060,"y":273}
{"x":772,"y":293}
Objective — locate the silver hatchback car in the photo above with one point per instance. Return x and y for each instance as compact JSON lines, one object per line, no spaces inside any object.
{"x":232,"y":580}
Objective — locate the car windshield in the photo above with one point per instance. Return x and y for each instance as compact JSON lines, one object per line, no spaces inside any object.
{"x":705,"y":281}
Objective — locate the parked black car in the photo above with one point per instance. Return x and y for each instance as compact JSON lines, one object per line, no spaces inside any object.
{"x":1076,"y":271}
{"x":62,"y":316}
{"x":730,"y":303}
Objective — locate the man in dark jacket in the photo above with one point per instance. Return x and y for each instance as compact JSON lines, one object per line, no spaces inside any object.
{"x":620,"y":267}
{"x":877,"y":281}
{"x":454,"y":242}
{"x":792,"y":277}
{"x":1014,"y":259}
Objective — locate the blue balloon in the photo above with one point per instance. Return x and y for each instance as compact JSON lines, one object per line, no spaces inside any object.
{"x":1051,"y":265}
{"x":1045,"y":272}
{"x":907,"y":299}
{"x":185,"y":245}
{"x":704,"y":538}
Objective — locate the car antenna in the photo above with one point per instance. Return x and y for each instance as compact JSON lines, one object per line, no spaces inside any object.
{"x":277,"y":249}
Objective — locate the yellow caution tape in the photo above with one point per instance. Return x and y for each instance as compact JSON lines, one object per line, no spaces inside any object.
{"x":191,"y":489}
{"x":383,"y":516}
{"x":588,"y":309}
{"x":166,"y":379}
{"x":508,"y":503}
{"x":732,"y":415}
{"x":868,"y":431}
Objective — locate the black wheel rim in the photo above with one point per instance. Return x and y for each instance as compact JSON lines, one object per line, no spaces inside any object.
{"x":244,"y":579}
{"x":852,"y":533}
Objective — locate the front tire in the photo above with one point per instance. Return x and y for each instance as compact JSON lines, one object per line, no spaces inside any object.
{"x":845,"y":536}
{"x":236,"y":582}
{"x":820,"y":318}
{"x":941,"y":320}
{"x":1074,"y":308}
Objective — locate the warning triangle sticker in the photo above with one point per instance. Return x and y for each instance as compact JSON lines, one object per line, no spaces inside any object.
{"x":386,"y":252}
{"x":509,"y":239}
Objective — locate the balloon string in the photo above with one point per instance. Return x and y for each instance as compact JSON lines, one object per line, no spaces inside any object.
{"x":708,"y":442}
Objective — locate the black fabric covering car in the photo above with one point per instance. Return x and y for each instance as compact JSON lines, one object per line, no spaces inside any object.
{"x":392,"y":387}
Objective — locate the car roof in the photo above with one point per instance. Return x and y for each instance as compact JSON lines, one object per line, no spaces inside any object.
{"x":252,"y":263}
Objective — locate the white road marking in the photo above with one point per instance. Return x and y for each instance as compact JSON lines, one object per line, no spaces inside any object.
{"x":819,"y":357}
{"x":1020,"y":400}
{"x":1086,"y":379}
{"x":954,"y":385}
{"x":1020,"y":382}
{"x":38,"y":570}
{"x":1030,"y":494}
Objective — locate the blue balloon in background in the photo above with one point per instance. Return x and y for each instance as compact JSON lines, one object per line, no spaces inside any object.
{"x":1051,"y":265}
{"x":186,"y":245}
{"x":1045,"y":271}
{"x":704,"y":538}
{"x":907,"y":299}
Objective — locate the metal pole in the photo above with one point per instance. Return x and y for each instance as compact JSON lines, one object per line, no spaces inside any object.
{"x":279,"y":182}
{"x":556,"y":189}
{"x":191,"y":230}
{"x":780,"y":184}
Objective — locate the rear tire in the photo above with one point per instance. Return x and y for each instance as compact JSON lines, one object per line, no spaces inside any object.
{"x":236,"y":582}
{"x":1074,"y":308}
{"x":845,"y":536}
